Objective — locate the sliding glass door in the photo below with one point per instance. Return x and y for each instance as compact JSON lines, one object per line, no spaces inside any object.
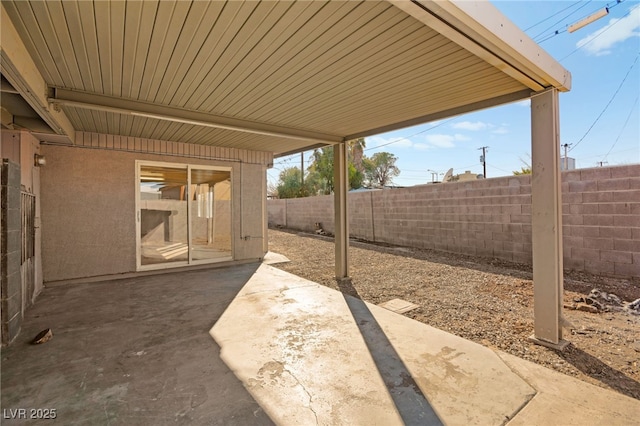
{"x":183,"y":215}
{"x":210,"y":214}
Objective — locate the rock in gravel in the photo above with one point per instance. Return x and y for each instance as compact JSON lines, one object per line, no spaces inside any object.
{"x":599,"y":300}
{"x":588,"y":301}
{"x":587,"y":308}
{"x":609,"y":300}
{"x":633,"y":307}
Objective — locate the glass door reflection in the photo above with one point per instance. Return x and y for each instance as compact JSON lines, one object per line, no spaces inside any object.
{"x":210,"y":212}
{"x":163,"y":215}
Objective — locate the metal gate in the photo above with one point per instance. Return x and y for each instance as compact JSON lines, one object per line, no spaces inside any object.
{"x":28,"y":252}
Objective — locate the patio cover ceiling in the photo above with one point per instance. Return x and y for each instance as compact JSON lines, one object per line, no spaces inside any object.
{"x":277,"y":76}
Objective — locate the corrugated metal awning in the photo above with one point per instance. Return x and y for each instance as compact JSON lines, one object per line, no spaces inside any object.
{"x":295,"y":74}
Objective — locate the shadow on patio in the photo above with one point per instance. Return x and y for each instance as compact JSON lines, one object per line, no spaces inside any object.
{"x":130,"y":351}
{"x":286,"y":350}
{"x":312,"y":355}
{"x":412,"y":404}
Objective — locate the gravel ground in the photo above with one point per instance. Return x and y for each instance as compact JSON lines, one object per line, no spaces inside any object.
{"x":487,"y":301}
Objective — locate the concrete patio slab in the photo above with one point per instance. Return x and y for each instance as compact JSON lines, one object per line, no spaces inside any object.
{"x":321,"y":357}
{"x":563,"y":400}
{"x":272,"y":258}
{"x":134,"y":351}
{"x":139,"y":351}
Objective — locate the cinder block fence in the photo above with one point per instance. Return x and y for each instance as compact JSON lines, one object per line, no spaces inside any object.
{"x":492,"y":218}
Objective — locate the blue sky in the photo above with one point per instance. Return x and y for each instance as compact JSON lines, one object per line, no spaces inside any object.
{"x":600,"y":116}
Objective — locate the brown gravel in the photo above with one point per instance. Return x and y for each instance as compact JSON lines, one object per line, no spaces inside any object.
{"x":483,"y":300}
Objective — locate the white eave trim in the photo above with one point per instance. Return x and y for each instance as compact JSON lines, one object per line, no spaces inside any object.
{"x":20,"y":70}
{"x":479,"y":27}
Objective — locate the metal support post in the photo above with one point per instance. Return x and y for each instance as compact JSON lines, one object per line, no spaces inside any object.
{"x":341,"y":187}
{"x":546,"y":220}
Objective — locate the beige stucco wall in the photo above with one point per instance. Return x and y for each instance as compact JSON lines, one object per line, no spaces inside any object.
{"x":88,"y":205}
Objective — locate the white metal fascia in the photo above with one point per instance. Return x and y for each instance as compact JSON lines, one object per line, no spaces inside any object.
{"x":20,"y":70}
{"x":480,"y":28}
{"x":97,"y":102}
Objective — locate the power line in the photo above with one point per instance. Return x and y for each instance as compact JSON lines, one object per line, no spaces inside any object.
{"x":502,"y":170}
{"x":291,"y":159}
{"x":594,"y":38}
{"x":555,"y":14}
{"x":600,"y":155}
{"x":556,"y":32}
{"x":624,"y":126}
{"x":608,"y":103}
{"x":464,"y":167}
{"x":559,"y":31}
{"x":407,"y":138}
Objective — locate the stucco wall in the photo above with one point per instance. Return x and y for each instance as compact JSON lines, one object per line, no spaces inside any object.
{"x":88,"y":209}
{"x":492,"y":218}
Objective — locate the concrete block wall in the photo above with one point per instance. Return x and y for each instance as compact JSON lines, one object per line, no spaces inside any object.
{"x":21,"y":279}
{"x":10,"y":236}
{"x":492,"y":218}
{"x":89,"y":212}
{"x":483,"y":218}
{"x":601,"y":220}
{"x":303,"y":213}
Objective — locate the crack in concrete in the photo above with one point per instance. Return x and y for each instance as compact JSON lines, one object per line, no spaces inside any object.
{"x":304,"y":389}
{"x":519,"y":409}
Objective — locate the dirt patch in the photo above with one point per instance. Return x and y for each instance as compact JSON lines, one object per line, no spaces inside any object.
{"x":486,"y":301}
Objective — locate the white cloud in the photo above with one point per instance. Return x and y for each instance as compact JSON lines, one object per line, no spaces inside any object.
{"x":430,"y":142}
{"x":502,"y":130}
{"x":445,"y":141}
{"x":468,"y":125}
{"x":422,"y":146}
{"x":441,"y":141}
{"x":525,"y":103}
{"x":616,"y":31}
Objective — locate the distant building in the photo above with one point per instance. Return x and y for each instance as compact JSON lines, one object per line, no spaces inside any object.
{"x":467,"y":176}
{"x":567,"y":163}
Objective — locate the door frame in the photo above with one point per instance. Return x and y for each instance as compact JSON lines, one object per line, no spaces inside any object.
{"x":138,"y":215}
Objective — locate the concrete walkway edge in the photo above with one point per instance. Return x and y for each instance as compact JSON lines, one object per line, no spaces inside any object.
{"x":321,"y":357}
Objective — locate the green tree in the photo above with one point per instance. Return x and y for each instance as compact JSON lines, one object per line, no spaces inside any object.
{"x":380,"y":169}
{"x":356,"y":153}
{"x":290,"y":184}
{"x":526,"y":170}
{"x":356,"y":162}
{"x":522,"y":171}
{"x":321,"y":169}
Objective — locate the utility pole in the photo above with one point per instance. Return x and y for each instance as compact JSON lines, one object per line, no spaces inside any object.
{"x":566,"y":158}
{"x":602,"y":163}
{"x":483,"y":160}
